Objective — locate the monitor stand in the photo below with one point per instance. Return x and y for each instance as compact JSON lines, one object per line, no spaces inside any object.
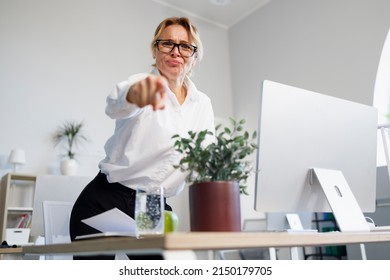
{"x":343,"y":203}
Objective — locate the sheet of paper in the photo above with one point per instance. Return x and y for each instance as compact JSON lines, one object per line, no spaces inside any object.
{"x":113,"y":220}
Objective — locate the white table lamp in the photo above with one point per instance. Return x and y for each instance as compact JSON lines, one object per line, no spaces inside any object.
{"x":17,"y":157}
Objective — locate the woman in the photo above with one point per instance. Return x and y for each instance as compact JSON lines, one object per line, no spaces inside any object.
{"x":148,"y":110}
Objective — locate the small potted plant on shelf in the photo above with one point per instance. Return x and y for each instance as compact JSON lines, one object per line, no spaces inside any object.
{"x":217,"y":172}
{"x":70,"y":133}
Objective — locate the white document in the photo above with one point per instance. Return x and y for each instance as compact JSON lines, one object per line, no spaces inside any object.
{"x":113,"y":220}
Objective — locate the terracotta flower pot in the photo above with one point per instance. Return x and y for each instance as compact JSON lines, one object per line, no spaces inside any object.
{"x":215,"y":206}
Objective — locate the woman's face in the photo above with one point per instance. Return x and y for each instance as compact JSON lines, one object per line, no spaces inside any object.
{"x":173,"y":65}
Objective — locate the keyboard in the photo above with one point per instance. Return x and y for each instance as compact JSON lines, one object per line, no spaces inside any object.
{"x":380,"y":228}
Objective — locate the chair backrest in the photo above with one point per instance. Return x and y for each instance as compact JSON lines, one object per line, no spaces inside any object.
{"x":54,"y":188}
{"x":56,"y":216}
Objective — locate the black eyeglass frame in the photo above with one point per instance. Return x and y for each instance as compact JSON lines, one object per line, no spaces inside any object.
{"x":176,"y":45}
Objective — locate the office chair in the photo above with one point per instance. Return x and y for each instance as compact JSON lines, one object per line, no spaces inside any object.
{"x":56,"y":215}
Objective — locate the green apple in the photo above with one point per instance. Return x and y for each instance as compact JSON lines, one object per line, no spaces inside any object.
{"x":171,"y":221}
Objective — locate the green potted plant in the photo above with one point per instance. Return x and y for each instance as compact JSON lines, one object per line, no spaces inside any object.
{"x":70,"y":133}
{"x":217,"y":172}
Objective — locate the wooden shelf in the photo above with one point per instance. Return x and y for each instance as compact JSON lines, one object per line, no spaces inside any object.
{"x":16,"y":197}
{"x":22,"y":177}
{"x":20,"y":209}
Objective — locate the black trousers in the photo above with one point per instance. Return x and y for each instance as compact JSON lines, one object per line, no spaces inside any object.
{"x":97,"y":197}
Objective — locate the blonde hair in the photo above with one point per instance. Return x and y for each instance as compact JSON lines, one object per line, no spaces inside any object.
{"x":191,"y":29}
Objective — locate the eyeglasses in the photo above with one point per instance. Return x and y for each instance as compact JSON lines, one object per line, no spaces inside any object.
{"x":166,"y":46}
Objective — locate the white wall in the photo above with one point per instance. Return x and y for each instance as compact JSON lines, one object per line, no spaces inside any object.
{"x":332,"y":47}
{"x":60,"y":59}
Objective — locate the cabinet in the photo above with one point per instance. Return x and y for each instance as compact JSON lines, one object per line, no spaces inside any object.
{"x":16,"y":204}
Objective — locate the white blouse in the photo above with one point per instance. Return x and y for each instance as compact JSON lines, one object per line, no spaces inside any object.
{"x":141,"y":151}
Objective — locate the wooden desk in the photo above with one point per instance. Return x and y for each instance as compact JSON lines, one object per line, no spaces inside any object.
{"x":206,"y":241}
{"x":17,"y":250}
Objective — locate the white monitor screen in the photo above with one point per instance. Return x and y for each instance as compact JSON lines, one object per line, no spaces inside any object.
{"x":300,"y":130}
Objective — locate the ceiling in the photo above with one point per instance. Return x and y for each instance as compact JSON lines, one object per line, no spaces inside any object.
{"x":222,"y":15}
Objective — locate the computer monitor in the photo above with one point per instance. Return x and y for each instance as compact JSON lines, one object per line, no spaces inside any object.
{"x":300,"y":130}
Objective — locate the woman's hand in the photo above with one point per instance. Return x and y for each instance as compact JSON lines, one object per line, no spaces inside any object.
{"x":150,"y":91}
